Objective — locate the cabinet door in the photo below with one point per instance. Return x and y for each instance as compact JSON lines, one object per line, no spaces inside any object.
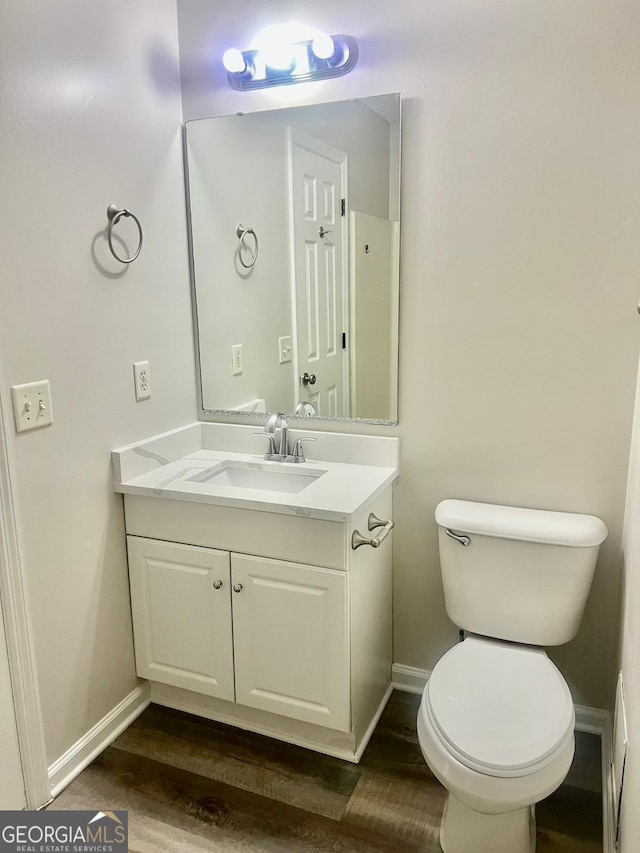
{"x":181,"y":622}
{"x":291,"y":640}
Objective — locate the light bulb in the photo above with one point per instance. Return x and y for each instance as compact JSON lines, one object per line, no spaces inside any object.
{"x":234,"y":61}
{"x":323,"y":46}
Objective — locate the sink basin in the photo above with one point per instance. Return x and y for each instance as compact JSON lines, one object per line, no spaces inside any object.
{"x":249,"y":475}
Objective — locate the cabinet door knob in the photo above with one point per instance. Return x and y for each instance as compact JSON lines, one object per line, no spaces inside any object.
{"x":237,"y":587}
{"x":217,"y":584}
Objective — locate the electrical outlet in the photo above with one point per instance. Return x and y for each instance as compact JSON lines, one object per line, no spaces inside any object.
{"x":285,"y":349}
{"x":236,"y":359}
{"x":142,"y":380}
{"x":32,"y":405}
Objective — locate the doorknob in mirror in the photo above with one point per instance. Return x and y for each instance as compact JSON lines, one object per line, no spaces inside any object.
{"x":308,"y":379}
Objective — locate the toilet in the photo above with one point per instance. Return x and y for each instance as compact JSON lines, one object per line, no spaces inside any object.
{"x":496,"y":719}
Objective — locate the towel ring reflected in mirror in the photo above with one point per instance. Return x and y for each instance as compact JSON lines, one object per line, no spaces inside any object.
{"x":241,"y":233}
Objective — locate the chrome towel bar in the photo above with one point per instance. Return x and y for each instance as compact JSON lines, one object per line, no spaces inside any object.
{"x":357,"y":539}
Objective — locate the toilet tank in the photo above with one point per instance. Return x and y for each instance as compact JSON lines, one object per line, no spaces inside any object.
{"x":524,"y":575}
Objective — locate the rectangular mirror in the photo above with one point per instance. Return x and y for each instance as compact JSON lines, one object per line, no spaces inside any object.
{"x":294,"y":230}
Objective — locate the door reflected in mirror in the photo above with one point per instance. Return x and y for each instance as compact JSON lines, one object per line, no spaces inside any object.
{"x":295,"y":220}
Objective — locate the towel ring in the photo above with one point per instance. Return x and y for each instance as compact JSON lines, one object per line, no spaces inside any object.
{"x":114,"y":215}
{"x":241,"y":233}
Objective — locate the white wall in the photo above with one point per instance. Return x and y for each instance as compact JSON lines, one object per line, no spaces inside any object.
{"x":90,"y":113}
{"x":519,"y":265}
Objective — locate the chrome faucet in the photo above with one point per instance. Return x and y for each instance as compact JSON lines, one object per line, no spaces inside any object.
{"x":280,"y":449}
{"x":277,"y":422}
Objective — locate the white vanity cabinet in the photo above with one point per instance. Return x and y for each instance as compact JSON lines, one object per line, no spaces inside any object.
{"x":293,"y":641}
{"x":266,"y":633}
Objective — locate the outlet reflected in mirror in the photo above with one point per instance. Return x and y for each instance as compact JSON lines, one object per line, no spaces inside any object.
{"x":310,"y":287}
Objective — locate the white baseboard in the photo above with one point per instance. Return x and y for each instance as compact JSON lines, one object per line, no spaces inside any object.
{"x":76,"y":758}
{"x":372,"y":725}
{"x":409,"y":679}
{"x":593,"y":720}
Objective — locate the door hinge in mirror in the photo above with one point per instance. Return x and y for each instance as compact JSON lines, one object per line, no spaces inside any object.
{"x":343,"y":206}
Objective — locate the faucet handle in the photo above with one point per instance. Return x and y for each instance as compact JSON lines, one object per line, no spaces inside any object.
{"x":272,"y":450}
{"x":298,"y":453}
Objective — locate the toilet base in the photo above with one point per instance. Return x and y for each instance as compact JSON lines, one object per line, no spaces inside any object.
{"x":464,"y":830}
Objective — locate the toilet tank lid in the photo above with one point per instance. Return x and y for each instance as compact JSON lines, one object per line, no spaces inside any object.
{"x":528,"y":525}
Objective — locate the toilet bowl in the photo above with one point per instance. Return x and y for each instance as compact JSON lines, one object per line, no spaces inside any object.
{"x":496,"y":727}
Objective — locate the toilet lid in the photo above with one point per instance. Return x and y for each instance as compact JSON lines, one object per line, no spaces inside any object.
{"x":501,"y":707}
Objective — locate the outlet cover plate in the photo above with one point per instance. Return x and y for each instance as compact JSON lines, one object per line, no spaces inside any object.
{"x":32,"y":405}
{"x":142,"y":380}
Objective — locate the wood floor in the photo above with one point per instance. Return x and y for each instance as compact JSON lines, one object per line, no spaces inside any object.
{"x":194,"y":785}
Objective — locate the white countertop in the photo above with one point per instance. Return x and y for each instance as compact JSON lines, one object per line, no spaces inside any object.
{"x":340,"y":491}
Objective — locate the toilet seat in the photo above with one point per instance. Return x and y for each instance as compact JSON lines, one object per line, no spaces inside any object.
{"x":499,"y":708}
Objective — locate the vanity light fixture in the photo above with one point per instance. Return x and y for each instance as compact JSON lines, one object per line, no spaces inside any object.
{"x":319,"y":58}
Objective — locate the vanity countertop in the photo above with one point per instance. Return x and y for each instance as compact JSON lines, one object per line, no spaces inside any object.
{"x":188,"y":465}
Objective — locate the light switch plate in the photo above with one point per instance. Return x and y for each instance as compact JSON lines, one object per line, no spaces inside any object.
{"x":285,"y":349}
{"x":32,"y":405}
